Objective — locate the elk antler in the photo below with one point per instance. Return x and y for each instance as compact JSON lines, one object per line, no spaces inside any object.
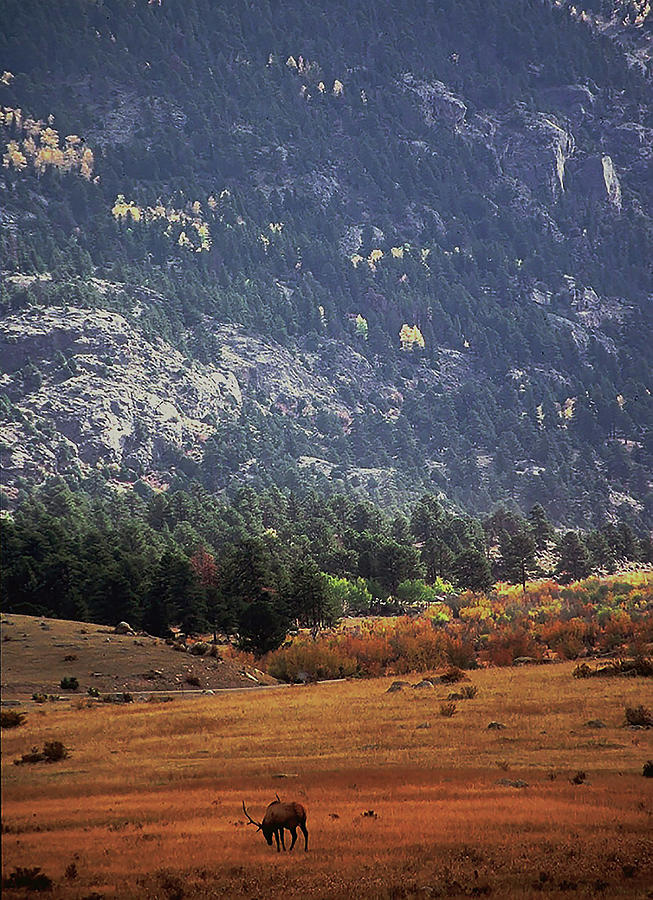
{"x":278,"y":798}
{"x":259,"y":825}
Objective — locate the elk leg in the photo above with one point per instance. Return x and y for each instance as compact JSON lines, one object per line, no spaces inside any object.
{"x":293,"y":831}
{"x":276,"y":834}
{"x":283,"y":843}
{"x":305,"y":833}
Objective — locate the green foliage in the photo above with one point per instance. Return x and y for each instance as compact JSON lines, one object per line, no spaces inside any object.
{"x":472,"y":570}
{"x":352,"y":597}
{"x":518,"y":556}
{"x":574,"y":562}
{"x":263,"y":625}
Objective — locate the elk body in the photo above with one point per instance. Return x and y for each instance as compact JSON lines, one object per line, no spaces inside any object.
{"x":279,"y":816}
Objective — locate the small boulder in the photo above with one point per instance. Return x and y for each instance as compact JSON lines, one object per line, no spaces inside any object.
{"x":516,"y":783}
{"x":524,"y":661}
{"x":496,"y":726}
{"x":123,"y":628}
{"x":200,"y":648}
{"x":424,"y":725}
{"x":180,"y":648}
{"x":421,"y":685}
{"x":595,"y":723}
{"x":396,"y":686}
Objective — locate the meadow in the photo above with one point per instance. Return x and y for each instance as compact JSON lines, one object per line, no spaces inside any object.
{"x":402,"y":801}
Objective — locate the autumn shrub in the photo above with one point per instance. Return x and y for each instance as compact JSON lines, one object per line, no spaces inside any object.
{"x":448,"y":709}
{"x":460,"y":652}
{"x":29,"y":879}
{"x":569,"y":639}
{"x":314,"y":659}
{"x":69,"y":683}
{"x":53,"y":751}
{"x":639,"y":715}
{"x":468,"y":691}
{"x":452,"y":675}
{"x":507,"y":644}
{"x":494,"y":629}
{"x":11,"y":718}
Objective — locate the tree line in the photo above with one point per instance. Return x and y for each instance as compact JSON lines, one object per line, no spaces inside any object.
{"x":266,"y":562}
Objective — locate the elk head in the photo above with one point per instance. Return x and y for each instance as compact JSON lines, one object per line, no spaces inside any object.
{"x":260,"y":826}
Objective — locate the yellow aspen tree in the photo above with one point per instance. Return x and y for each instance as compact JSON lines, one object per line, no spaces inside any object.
{"x":86,"y":165}
{"x":49,"y":137}
{"x":374,"y":258}
{"x":14,"y":158}
{"x":30,"y":148}
{"x":338,"y":88}
{"x":33,"y":126}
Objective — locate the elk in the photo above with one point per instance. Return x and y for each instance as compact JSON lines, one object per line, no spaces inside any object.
{"x":278,"y":816}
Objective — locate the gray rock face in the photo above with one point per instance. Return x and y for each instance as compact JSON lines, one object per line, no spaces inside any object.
{"x":535,"y":148}
{"x":596,"y":176}
{"x":91,"y":392}
{"x":103,"y":393}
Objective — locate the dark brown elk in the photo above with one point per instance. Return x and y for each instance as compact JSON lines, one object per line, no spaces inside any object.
{"x":279,"y":816}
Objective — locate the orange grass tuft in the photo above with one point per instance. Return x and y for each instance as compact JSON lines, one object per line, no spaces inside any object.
{"x":148,"y":804}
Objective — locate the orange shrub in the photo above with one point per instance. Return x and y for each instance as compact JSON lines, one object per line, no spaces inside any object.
{"x":596,"y":614}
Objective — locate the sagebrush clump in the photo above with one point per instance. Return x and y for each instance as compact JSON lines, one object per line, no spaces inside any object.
{"x":53,"y":751}
{"x":11,"y":718}
{"x":639,"y":716}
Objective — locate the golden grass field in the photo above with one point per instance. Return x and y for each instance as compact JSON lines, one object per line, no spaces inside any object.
{"x":148,"y":804}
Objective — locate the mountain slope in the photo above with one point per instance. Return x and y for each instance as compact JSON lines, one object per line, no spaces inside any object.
{"x":435,"y":218}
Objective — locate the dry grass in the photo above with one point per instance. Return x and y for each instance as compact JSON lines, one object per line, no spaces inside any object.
{"x":148,"y":803}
